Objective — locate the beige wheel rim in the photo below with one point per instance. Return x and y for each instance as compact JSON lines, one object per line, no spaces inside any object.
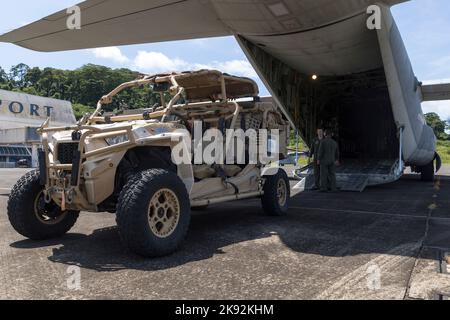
{"x":281,"y":192}
{"x":164,"y":213}
{"x":47,"y":213}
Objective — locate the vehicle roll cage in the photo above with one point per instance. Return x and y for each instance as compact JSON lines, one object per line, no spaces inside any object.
{"x":176,"y":91}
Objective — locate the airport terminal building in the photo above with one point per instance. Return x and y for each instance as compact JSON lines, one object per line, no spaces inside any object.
{"x":20,"y":116}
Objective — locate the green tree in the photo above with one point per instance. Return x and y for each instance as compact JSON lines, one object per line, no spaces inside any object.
{"x":79,"y":110}
{"x":45,"y":83}
{"x":6,"y":86}
{"x":28,"y":90}
{"x":3,"y":76}
{"x":439,"y":126}
{"x":32,"y":77}
{"x":83,"y":87}
{"x":17,"y":74}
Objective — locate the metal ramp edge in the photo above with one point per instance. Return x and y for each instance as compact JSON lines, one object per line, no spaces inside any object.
{"x":345,"y":182}
{"x":352,"y":182}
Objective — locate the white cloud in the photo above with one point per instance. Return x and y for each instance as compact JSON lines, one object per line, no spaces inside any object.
{"x":233,"y":67}
{"x":442,"y":108}
{"x":155,"y":62}
{"x":150,"y":61}
{"x":437,"y":81}
{"x":111,"y":53}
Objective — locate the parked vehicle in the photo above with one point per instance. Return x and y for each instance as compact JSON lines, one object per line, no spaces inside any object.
{"x":124,"y":164}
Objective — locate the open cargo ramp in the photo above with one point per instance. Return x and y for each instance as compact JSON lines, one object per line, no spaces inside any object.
{"x":354,"y":176}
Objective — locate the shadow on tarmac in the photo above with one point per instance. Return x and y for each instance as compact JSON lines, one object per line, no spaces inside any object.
{"x":331,"y":226}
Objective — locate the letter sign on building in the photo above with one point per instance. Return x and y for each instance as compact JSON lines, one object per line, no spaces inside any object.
{"x":18,"y":110}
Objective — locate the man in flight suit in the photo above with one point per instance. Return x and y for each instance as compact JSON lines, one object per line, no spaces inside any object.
{"x":313,"y":155}
{"x":328,"y":159}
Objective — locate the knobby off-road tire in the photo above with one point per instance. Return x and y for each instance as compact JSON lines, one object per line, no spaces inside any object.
{"x":31,"y":216}
{"x":153,"y":213}
{"x":276,"y":198}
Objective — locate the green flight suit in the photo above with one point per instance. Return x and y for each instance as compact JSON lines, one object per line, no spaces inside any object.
{"x":314,"y":155}
{"x":328,"y":155}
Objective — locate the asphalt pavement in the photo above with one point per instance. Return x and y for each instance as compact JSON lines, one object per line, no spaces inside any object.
{"x":389,"y":242}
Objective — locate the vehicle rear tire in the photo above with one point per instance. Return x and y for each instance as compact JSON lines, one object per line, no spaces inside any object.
{"x":153,"y":213}
{"x":427,"y":172}
{"x":277,"y":193}
{"x":30,"y":216}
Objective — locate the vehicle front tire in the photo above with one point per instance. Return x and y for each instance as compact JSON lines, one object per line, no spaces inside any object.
{"x":427,"y":172}
{"x":31,"y":216}
{"x":153,"y":213}
{"x":277,"y":193}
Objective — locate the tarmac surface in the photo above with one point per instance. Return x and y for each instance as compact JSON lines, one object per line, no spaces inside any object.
{"x":389,"y":242}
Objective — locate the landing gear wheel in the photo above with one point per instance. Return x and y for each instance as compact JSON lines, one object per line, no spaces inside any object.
{"x":427,"y":172}
{"x":275,"y":201}
{"x":153,"y":213}
{"x":31,"y":216}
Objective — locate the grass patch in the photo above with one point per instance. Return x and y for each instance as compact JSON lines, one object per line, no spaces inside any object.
{"x":443,"y":148}
{"x":302,"y":147}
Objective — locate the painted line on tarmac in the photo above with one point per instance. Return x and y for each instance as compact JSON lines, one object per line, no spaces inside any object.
{"x":406,"y":216}
{"x":362,"y":200}
{"x":372,"y":213}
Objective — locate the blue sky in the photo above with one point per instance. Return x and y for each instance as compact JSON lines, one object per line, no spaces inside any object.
{"x":424,"y":24}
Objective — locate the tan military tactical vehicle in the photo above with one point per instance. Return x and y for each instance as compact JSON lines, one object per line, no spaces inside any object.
{"x":124,"y":164}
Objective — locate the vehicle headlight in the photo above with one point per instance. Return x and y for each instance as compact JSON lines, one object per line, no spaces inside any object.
{"x":117,"y":139}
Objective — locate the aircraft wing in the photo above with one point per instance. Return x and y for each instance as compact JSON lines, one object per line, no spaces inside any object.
{"x":436,"y":92}
{"x":117,"y":22}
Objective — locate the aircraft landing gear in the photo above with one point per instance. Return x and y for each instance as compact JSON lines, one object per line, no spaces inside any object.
{"x":427,"y":172}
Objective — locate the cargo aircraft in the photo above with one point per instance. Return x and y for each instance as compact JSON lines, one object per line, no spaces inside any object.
{"x":335,"y":63}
